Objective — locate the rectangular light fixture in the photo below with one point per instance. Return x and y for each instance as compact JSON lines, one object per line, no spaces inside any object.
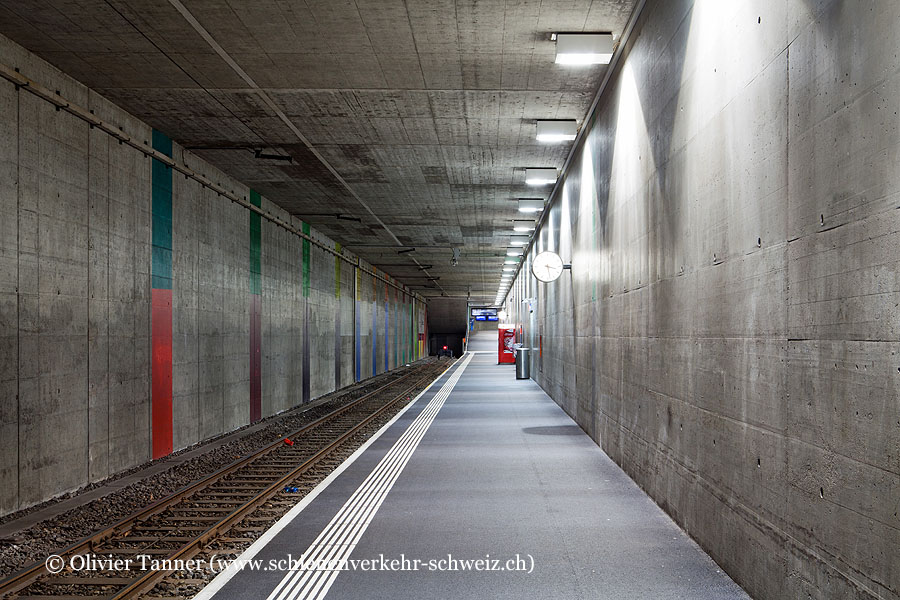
{"x":518,"y":240}
{"x":523,"y":225}
{"x":584,"y":48}
{"x":514,"y":251}
{"x":540,"y":176}
{"x":531,"y":205}
{"x":557,"y":131}
{"x":511,"y":261}
{"x":509,"y":268}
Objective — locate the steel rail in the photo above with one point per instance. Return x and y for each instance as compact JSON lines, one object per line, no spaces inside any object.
{"x":32,"y":574}
{"x":149,"y":580}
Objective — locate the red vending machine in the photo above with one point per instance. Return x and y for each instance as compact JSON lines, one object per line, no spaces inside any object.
{"x":507,"y":339}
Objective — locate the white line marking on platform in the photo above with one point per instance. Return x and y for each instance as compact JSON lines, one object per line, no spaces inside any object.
{"x":233,"y":569}
{"x":336,"y":542}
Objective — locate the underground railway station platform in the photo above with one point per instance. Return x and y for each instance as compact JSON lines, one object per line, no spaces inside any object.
{"x":482,"y":488}
{"x":237,"y":238}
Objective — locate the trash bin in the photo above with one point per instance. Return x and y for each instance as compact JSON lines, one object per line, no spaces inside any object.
{"x":523,"y":363}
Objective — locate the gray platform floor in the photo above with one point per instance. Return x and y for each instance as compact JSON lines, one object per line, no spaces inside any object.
{"x":501,"y":471}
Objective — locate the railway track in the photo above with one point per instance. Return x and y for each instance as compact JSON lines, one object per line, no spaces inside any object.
{"x":220,"y":514}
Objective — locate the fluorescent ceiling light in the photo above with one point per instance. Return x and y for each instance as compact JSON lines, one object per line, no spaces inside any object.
{"x":511,"y":261}
{"x":518,"y":240}
{"x":523,"y":224}
{"x":556,"y":131}
{"x":531,"y":205}
{"x":509,"y":269}
{"x":514,"y":251}
{"x":584,"y":48}
{"x":540,"y":176}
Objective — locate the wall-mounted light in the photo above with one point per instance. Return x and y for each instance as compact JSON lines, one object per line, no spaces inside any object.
{"x":531,"y":205}
{"x":557,"y":131}
{"x":540,"y":176}
{"x":584,"y":48}
{"x":523,"y":225}
{"x":519,"y":240}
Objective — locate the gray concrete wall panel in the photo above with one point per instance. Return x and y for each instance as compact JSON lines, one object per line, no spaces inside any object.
{"x":730,"y":308}
{"x":9,"y":309}
{"x":75,"y":292}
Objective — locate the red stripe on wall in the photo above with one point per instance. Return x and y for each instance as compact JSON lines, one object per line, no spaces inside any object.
{"x":161,"y":344}
{"x":255,"y":358}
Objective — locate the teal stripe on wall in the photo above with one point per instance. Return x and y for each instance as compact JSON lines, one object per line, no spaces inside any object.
{"x":161,"y":269}
{"x":255,"y":245}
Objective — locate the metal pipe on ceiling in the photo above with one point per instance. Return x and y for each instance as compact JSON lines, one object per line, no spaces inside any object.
{"x":273,"y":106}
{"x":22,"y":82}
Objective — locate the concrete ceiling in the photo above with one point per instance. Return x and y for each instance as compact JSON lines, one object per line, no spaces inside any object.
{"x":415,"y":116}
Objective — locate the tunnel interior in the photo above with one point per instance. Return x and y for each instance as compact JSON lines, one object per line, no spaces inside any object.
{"x":213,"y":213}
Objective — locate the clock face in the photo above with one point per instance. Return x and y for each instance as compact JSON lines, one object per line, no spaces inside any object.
{"x":547,"y":266}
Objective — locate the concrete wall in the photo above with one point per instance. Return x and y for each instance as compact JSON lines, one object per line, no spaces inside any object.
{"x":75,"y":299}
{"x":731,"y":309}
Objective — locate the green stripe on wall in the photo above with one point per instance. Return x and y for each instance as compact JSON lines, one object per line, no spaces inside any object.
{"x":255,"y":245}
{"x":305,"y":229}
{"x":337,"y":273}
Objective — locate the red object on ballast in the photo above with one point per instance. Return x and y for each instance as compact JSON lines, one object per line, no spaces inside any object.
{"x":507,"y":337}
{"x":288,"y":442}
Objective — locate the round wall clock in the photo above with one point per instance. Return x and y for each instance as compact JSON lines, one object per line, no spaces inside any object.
{"x":547,"y":266}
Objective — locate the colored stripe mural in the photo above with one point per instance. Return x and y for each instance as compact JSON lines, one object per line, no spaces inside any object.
{"x":307,"y":313}
{"x":374,"y":324}
{"x":396,"y":328}
{"x":337,"y":319}
{"x":161,"y":299}
{"x":412,"y":330}
{"x":255,"y":310}
{"x":356,"y":326}
{"x":387,"y":329}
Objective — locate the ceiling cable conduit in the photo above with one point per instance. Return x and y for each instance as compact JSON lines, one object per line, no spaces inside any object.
{"x":270,"y":103}
{"x":22,"y":82}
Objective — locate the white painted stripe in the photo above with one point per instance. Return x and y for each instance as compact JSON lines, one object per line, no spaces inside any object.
{"x":339,"y":538}
{"x":225,"y":576}
{"x":332,"y":544}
